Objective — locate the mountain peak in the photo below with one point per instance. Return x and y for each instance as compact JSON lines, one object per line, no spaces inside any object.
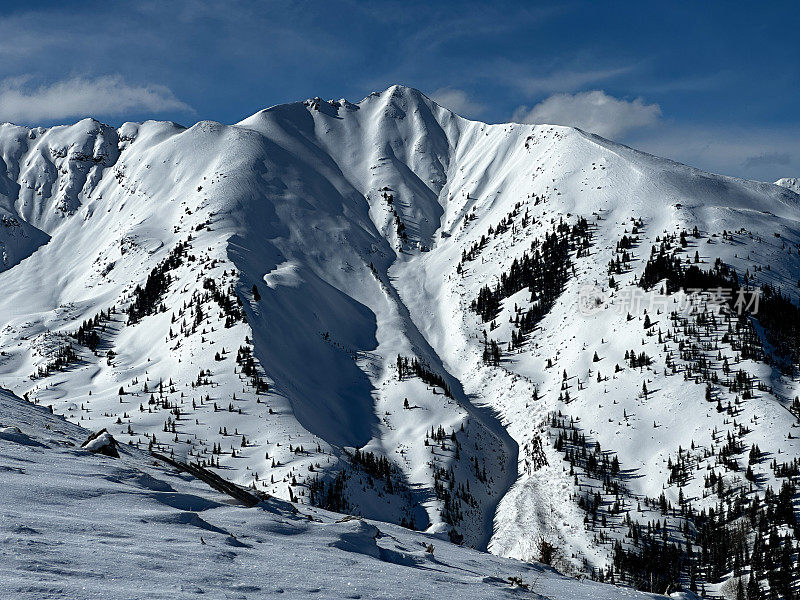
{"x":402,"y":98}
{"x":399,"y":90}
{"x":790,"y":183}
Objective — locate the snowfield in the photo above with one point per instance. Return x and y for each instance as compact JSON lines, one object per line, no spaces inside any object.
{"x":80,"y":525}
{"x":379,"y":309}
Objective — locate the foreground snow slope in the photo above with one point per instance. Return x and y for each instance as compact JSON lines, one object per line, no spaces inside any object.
{"x":239,"y":295}
{"x":80,"y":525}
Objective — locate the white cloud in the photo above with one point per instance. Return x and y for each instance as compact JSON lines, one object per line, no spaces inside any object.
{"x":565,"y":81}
{"x":593,"y":111}
{"x":765,"y":154}
{"x":458,"y":101}
{"x":765,"y":159}
{"x":82,"y":97}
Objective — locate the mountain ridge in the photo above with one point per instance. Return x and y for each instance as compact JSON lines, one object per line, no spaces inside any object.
{"x":338,"y":252}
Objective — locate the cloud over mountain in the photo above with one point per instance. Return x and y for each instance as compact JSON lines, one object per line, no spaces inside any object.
{"x":109,"y":95}
{"x":593,"y":111}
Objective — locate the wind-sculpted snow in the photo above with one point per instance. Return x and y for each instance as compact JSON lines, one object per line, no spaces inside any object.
{"x":375,"y":308}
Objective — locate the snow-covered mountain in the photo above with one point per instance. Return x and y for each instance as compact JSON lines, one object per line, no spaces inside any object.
{"x":791,"y":183}
{"x":384,"y":309}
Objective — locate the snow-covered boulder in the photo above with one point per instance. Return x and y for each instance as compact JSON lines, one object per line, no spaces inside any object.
{"x":101,"y":442}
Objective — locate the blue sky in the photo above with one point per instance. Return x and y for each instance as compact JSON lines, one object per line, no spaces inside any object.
{"x":711,"y":84}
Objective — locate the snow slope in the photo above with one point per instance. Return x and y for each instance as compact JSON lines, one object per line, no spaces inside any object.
{"x":81,"y":525}
{"x":324,"y":239}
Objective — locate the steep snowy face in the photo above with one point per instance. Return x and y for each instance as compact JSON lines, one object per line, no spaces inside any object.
{"x":45,"y":176}
{"x":48,"y":175}
{"x":385,"y":309}
{"x":790,"y":183}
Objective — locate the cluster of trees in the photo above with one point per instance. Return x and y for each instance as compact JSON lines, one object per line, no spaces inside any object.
{"x":491,"y":352}
{"x":780,"y":318}
{"x":249,"y":368}
{"x":375,"y":472}
{"x":63,"y":356}
{"x":378,"y":467}
{"x":87,"y":335}
{"x":623,"y":258}
{"x":330,"y":494}
{"x":692,"y":332}
{"x":663,"y":264}
{"x":637,"y":360}
{"x":400,"y":227}
{"x":147,"y":299}
{"x":472,"y":253}
{"x":408,"y":367}
{"x":578,"y":452}
{"x":454,"y":497}
{"x":228,"y":301}
{"x":747,"y":536}
{"x":651,"y":565}
{"x":543,"y":269}
{"x":507,"y":222}
{"x":777,"y":313}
